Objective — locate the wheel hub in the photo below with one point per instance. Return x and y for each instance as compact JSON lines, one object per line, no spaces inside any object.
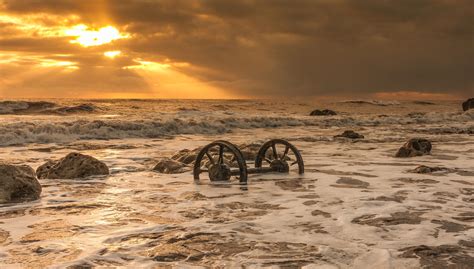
{"x":280,"y":166}
{"x":219,"y":172}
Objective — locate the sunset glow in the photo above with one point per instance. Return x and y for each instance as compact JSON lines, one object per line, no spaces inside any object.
{"x":372,"y":53}
{"x":112,"y":54}
{"x":87,"y":38}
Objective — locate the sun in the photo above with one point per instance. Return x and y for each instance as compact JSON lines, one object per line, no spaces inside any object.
{"x":87,"y":38}
{"x":112,"y":54}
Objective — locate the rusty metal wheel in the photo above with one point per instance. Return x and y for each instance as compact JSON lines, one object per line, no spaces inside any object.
{"x":221,"y":160}
{"x":281,"y":161}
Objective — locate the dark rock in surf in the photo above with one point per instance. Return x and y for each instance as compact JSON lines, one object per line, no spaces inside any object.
{"x":324,"y":112}
{"x":350,"y":134}
{"x":170,"y":166}
{"x":73,"y":166}
{"x":414,"y":147}
{"x":468,"y":104}
{"x":18,"y":183}
{"x":423,"y":169}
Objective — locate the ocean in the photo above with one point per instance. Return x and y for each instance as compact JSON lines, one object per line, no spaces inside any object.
{"x":356,"y":204}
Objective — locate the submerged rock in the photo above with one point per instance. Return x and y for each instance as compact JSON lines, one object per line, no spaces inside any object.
{"x":414,"y":147}
{"x":74,"y":165}
{"x":324,"y":112}
{"x":170,"y":166}
{"x":18,"y":183}
{"x":468,"y":104}
{"x":423,"y":169}
{"x":350,"y":134}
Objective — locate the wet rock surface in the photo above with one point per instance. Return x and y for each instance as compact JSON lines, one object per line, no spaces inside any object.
{"x":396,"y":218}
{"x":324,"y":112}
{"x":414,"y":147}
{"x":350,"y":134}
{"x":170,"y":166}
{"x":73,"y":166}
{"x":18,"y":183}
{"x":442,"y":256}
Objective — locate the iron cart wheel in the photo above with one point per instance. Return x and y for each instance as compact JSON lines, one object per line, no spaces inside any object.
{"x":279,"y":162}
{"x":221,"y":160}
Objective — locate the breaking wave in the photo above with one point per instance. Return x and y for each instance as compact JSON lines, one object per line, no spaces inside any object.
{"x":43,"y":108}
{"x":372,"y":102}
{"x":16,"y":133}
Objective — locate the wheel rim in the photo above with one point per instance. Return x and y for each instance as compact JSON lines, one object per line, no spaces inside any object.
{"x":277,"y":161}
{"x":219,"y":168}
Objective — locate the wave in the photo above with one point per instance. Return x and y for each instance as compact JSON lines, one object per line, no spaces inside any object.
{"x":24,"y":107}
{"x":37,"y":131}
{"x":43,"y":108}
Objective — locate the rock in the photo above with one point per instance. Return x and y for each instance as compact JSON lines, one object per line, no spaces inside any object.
{"x":170,"y":166}
{"x":423,"y":169}
{"x":468,"y":104}
{"x":414,"y":147}
{"x":350,"y":134}
{"x":74,"y":165}
{"x":186,"y":156}
{"x":250,"y":151}
{"x":18,"y":183}
{"x":324,"y":112}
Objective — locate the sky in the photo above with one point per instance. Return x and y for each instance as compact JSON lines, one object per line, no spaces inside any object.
{"x":378,"y":49}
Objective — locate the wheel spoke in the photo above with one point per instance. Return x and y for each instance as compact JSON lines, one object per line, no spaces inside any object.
{"x":203,"y":171}
{"x":268,"y":160}
{"x":210,"y":157}
{"x":285,"y":153}
{"x":275,"y":154}
{"x":293,"y":163}
{"x":221,"y":155}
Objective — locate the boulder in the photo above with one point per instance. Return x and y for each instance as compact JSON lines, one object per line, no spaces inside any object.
{"x":414,"y":147}
{"x":468,"y":104}
{"x":170,"y":166}
{"x":73,"y":166}
{"x":18,"y":183}
{"x":350,"y":134}
{"x":324,"y":112}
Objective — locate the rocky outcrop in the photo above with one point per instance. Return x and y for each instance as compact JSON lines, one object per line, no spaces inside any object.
{"x":350,"y":134}
{"x":18,"y":183}
{"x":170,"y":166}
{"x":414,"y":147}
{"x":324,"y":112}
{"x":468,"y":104}
{"x":73,"y":166}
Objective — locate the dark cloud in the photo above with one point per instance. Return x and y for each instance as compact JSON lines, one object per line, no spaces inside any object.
{"x":301,"y":47}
